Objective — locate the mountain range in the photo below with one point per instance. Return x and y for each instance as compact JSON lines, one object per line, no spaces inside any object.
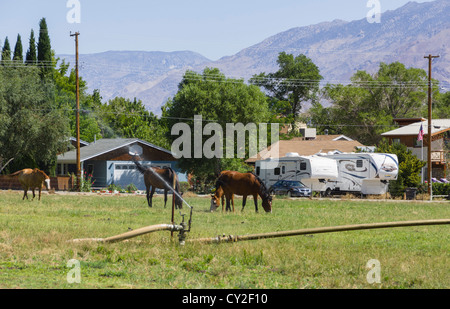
{"x":339,"y":48}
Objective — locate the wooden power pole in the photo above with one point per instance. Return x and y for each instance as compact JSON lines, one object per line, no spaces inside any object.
{"x":430,"y":188}
{"x":76,"y":34}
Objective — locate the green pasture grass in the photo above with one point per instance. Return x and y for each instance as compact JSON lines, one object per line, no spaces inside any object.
{"x":35,"y":244}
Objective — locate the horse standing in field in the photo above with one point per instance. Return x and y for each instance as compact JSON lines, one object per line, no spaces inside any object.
{"x":31,"y":179}
{"x":230,"y":182}
{"x":161,"y":178}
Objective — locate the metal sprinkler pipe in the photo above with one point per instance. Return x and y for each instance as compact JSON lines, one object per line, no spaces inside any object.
{"x":135,"y":233}
{"x":231,"y":238}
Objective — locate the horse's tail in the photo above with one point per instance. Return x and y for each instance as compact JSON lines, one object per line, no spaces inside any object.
{"x":177,"y":183}
{"x":15,"y":174}
{"x":140,"y":167}
{"x":177,"y":188}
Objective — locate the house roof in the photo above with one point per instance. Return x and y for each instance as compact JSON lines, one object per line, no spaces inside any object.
{"x":103,"y":146}
{"x":305,"y":148}
{"x":437,"y":126}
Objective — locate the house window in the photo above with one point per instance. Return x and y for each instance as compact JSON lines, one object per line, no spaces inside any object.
{"x":395,"y":141}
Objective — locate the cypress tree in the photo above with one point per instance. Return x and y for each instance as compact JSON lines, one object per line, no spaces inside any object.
{"x":31,"y":58}
{"x":6,"y":52}
{"x":18,"y":51}
{"x":44,"y":55}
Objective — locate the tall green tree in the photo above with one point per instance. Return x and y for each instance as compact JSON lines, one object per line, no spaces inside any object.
{"x":18,"y":51}
{"x":296,"y":82}
{"x":6,"y":52}
{"x":441,"y":105}
{"x":32,"y":130}
{"x":366,"y":108}
{"x":31,"y":55}
{"x":399,"y":91}
{"x":219,"y":100}
{"x":44,"y":49}
{"x":129,"y":118}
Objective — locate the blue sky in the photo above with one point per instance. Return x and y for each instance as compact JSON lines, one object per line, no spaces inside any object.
{"x":211,"y":28}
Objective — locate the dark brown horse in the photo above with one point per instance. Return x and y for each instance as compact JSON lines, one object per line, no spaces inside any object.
{"x":31,"y":179}
{"x":161,"y":178}
{"x":231,"y":182}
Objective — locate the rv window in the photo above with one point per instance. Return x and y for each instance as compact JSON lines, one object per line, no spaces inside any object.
{"x":302,"y":166}
{"x":276,"y":171}
{"x":359,"y":163}
{"x":257,"y":170}
{"x":283,"y":169}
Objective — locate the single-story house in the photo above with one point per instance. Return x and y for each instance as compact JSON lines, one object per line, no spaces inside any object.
{"x":109,"y":161}
{"x":408,"y":133}
{"x":307,"y":147}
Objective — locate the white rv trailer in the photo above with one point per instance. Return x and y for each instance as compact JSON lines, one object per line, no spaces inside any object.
{"x":363,"y":173}
{"x":360,"y":173}
{"x":314,"y":171}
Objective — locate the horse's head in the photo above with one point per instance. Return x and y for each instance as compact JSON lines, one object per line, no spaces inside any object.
{"x":215,"y":202}
{"x":266,"y":197}
{"x":267,"y":203}
{"x":215,"y":199}
{"x":45,"y":179}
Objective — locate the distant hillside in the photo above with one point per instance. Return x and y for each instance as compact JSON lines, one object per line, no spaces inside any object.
{"x":339,"y":48}
{"x":149,"y":76}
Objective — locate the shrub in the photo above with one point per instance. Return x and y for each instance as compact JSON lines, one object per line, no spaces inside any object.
{"x":441,"y":188}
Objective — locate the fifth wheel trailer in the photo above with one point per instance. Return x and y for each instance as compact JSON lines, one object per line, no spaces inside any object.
{"x":359,"y":173}
{"x":314,"y":171}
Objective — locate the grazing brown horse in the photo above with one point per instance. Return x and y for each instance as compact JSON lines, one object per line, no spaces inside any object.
{"x":216,"y":197}
{"x":161,"y":178}
{"x":231,"y":182}
{"x":31,"y":179}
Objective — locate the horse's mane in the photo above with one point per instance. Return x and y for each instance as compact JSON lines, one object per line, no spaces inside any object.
{"x":41,"y":172}
{"x":219,"y":183}
{"x":262,"y":186}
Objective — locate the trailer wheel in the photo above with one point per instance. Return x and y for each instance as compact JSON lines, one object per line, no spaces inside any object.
{"x":327,"y":192}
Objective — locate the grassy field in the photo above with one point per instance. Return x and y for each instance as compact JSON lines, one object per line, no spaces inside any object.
{"x":34,"y":247}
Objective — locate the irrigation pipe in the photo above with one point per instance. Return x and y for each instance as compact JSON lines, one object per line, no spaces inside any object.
{"x":134,"y":233}
{"x":342,"y":228}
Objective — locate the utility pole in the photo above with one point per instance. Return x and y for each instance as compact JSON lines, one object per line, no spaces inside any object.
{"x":430,"y":186}
{"x":76,"y":34}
